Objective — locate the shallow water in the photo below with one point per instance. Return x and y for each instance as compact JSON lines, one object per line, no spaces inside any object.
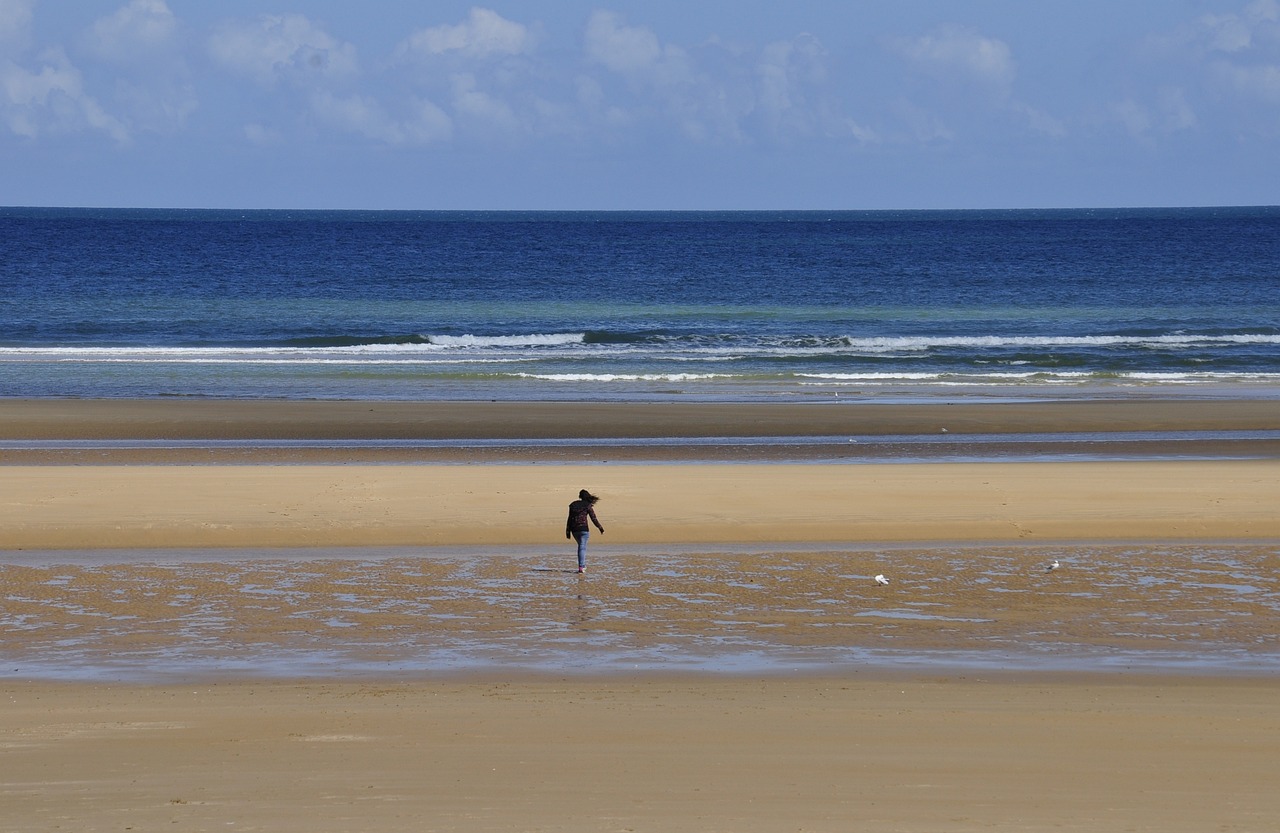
{"x":154,"y":615}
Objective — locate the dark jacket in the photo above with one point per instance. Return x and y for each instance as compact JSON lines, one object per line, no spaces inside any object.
{"x":581,"y":514}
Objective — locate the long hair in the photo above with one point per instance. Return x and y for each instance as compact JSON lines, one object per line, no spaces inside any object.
{"x":587,"y":496}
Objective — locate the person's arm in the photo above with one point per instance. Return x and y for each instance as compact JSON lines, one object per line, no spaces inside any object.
{"x":592,"y":513}
{"x":568,"y":524}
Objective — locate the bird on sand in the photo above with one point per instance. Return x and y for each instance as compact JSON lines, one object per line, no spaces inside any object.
{"x":1053,"y":565}
{"x":881,"y":580}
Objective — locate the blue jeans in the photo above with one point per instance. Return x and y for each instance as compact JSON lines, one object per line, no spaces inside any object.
{"x":581,"y":536}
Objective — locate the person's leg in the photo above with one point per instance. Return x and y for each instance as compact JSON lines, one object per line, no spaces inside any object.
{"x":582,"y":548}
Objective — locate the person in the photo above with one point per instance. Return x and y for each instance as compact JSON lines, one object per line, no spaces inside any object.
{"x":582,"y":514}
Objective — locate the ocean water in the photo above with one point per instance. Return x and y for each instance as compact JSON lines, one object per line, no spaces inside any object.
{"x":789,"y":306}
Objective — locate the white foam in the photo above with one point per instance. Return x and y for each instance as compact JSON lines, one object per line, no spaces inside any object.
{"x":890,"y":344}
{"x":528,"y":340}
{"x":624,"y":377}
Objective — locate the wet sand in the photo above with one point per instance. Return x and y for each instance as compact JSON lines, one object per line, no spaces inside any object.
{"x":265,"y":419}
{"x":1193,"y":607}
{"x":696,"y":557}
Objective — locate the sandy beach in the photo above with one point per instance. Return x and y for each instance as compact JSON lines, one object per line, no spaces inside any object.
{"x":113,"y":498}
{"x":697,"y":552}
{"x":56,"y":507}
{"x":890,"y":754}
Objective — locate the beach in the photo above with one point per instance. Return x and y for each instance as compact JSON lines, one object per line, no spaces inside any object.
{"x":883,"y":754}
{"x":240,"y":495}
{"x":262,"y":627}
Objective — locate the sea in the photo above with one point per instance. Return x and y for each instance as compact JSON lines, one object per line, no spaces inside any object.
{"x":628,"y":306}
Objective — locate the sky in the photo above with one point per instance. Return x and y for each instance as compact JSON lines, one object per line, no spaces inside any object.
{"x":652,"y":105}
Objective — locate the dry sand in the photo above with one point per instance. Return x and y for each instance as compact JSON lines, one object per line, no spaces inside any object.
{"x":339,"y":498}
{"x":865,"y":751}
{"x":243,"y":506}
{"x":910,"y":754}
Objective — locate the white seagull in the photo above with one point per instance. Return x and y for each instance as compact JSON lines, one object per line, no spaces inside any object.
{"x":1052,"y":566}
{"x":881,"y":580}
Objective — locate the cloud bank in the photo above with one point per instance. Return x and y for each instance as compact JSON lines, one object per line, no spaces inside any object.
{"x":515,"y":81}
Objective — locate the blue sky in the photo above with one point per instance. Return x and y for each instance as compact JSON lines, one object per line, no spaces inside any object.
{"x":535,"y":104}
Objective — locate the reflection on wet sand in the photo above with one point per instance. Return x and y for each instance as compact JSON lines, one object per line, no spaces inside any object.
{"x":1208,"y":607}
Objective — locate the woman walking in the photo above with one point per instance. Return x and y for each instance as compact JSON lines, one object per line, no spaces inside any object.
{"x":581,"y":515}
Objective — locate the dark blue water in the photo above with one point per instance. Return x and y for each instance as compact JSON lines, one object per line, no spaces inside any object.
{"x":621,"y":305}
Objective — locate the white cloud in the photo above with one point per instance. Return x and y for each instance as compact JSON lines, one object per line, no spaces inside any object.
{"x":1135,"y":118}
{"x":51,"y":99}
{"x":427,"y":123}
{"x":781,"y":89}
{"x":637,"y":54}
{"x":788,"y":99}
{"x":971,"y":88}
{"x":140,"y":28}
{"x":357,"y":114}
{"x":483,"y":34}
{"x":470,"y":101}
{"x":1257,"y":82}
{"x":667,"y":87}
{"x":263,"y":135}
{"x":1251,"y":63}
{"x":15,"y":21}
{"x":711,"y":92}
{"x":590,"y":97}
{"x":160,"y":107}
{"x":1226,"y":33}
{"x":1263,"y":11}
{"x":958,"y":50}
{"x":293,"y":55}
{"x":140,"y":45}
{"x":290,"y":47}
{"x":1234,"y":55}
{"x":1039,"y":121}
{"x":1232,"y":33}
{"x":1170,"y":113}
{"x":923,"y":126}
{"x":623,"y":49}
{"x":366,"y":117}
{"x":293,"y":49}
{"x":666,"y":84}
{"x":1176,"y":112}
{"x":45,"y":94}
{"x":486,"y":69}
